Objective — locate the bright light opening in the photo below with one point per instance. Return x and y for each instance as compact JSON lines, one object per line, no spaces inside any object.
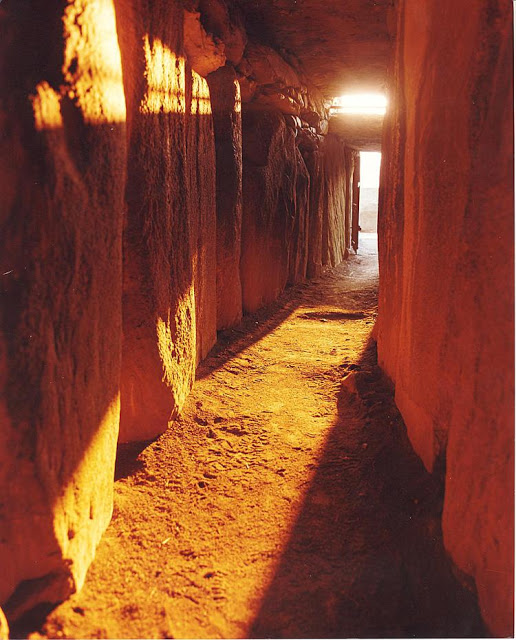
{"x":374,"y":104}
{"x":369,"y":180}
{"x":370,"y":169}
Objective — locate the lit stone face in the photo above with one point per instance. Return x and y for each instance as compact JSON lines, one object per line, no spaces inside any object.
{"x":165,"y":76}
{"x":92,"y":66}
{"x":60,"y":365}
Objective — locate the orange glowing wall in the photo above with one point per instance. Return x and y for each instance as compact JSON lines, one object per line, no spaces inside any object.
{"x":227,"y":121}
{"x":445,"y":327}
{"x":108,"y":230}
{"x":62,"y":177}
{"x":169,"y":305}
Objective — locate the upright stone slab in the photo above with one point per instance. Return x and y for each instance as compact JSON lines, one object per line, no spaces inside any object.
{"x":227,"y":119}
{"x":62,"y":183}
{"x":159,"y":350}
{"x":446,"y":315}
{"x":314,"y":164}
{"x":298,"y":255}
{"x":336,"y":211}
{"x":202,"y":211}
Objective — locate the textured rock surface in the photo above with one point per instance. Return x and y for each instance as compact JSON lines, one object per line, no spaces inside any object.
{"x":445,"y":331}
{"x":314,"y":163}
{"x":227,"y":119}
{"x":363,"y":132}
{"x":295,"y":213}
{"x":60,"y":245}
{"x":276,"y":84}
{"x":343,"y":46}
{"x":204,"y":53}
{"x":338,"y":182}
{"x":201,"y":210}
{"x":170,"y":245}
{"x":159,"y":350}
{"x":271,"y":167}
{"x":225,"y":23}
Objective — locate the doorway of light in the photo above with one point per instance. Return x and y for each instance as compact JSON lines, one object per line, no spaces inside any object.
{"x":369,"y":182}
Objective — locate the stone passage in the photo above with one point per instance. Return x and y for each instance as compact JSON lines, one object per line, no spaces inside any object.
{"x":170,"y":168}
{"x":286,"y":502}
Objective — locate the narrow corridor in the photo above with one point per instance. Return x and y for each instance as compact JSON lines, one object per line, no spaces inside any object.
{"x":216,"y":419}
{"x":286,"y":502}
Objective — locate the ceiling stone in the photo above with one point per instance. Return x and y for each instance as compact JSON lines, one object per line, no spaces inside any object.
{"x":362,"y":132}
{"x":342,"y":45}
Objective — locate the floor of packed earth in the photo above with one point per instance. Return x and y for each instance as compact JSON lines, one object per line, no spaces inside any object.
{"x":286,"y":501}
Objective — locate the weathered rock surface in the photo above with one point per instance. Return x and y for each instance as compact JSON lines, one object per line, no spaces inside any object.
{"x":227,"y":119}
{"x":62,"y":176}
{"x":295,"y":213}
{"x":268,"y":68}
{"x":225,"y":23}
{"x":159,"y":350}
{"x":201,"y":210}
{"x":338,"y":181}
{"x":204,"y":53}
{"x":342,"y":45}
{"x":271,"y":168}
{"x":314,"y":163}
{"x":362,"y":132}
{"x":445,"y":330}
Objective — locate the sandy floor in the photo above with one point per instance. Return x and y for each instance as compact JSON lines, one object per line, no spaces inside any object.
{"x":286,"y":502}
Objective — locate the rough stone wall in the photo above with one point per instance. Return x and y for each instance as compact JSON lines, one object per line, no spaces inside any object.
{"x":298,"y":255}
{"x":313,"y":158}
{"x":445,"y":329}
{"x":202,"y":213}
{"x":62,"y":183}
{"x":169,"y":242}
{"x":297,"y":193}
{"x":110,"y":227}
{"x":288,"y":227}
{"x":227,"y":120}
{"x":271,"y":165}
{"x":338,"y":185}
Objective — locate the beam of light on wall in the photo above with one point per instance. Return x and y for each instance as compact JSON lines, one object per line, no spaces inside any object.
{"x":176,"y":342}
{"x":201,"y":104}
{"x":166,"y":76}
{"x":92,"y":63}
{"x":374,"y":104}
{"x":92,"y":69}
{"x":370,"y":169}
{"x":89,"y":490}
{"x":238,"y":98}
{"x":46,"y":105}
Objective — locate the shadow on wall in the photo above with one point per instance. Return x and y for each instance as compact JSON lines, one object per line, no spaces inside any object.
{"x":60,"y":250}
{"x":365,"y":557}
{"x":62,"y":275}
{"x":169,"y":303}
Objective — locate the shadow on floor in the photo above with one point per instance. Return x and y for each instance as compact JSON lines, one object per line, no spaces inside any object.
{"x":333,"y":315}
{"x":127,"y":460}
{"x":251,"y":329}
{"x":256,"y":326}
{"x":365,"y":557}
